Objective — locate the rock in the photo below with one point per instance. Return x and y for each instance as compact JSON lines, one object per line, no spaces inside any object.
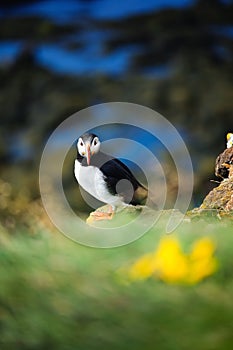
{"x":222,"y":164}
{"x":229,"y":206}
{"x":218,"y":203}
{"x":220,"y":197}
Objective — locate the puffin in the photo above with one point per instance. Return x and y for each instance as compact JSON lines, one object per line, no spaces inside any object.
{"x":106,"y":178}
{"x":224,"y":161}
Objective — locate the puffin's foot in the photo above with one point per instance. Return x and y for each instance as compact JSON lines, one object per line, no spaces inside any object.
{"x":99,"y":215}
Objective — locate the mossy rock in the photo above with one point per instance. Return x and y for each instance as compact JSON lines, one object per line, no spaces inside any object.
{"x":125,"y":214}
{"x":218,"y":202}
{"x":220,"y":197}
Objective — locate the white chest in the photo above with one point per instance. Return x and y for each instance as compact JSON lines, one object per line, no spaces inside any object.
{"x":92,"y":181}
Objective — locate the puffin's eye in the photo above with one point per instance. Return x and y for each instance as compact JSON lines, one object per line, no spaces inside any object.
{"x":81,"y":143}
{"x":95,"y":142}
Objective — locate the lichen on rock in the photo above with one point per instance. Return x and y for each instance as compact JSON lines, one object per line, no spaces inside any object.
{"x":219,"y":201}
{"x":220,"y":197}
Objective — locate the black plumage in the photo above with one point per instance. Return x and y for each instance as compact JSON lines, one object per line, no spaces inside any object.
{"x":114,"y":171}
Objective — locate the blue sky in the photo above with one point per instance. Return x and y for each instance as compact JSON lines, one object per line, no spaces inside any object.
{"x":90,"y":59}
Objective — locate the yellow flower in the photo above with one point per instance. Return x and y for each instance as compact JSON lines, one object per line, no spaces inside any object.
{"x":171,"y":264}
{"x":202,"y":262}
{"x":202,"y":248}
{"x":142,"y":268}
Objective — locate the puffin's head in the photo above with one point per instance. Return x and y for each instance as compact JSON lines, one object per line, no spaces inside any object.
{"x":88,"y":145}
{"x":229,"y":140}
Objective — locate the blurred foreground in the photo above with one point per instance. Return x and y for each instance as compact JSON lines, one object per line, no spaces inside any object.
{"x":57,"y":294}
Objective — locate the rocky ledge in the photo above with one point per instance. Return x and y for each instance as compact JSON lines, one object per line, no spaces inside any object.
{"x":220,"y":200}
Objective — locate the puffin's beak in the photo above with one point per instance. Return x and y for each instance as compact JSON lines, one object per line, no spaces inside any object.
{"x":88,"y":150}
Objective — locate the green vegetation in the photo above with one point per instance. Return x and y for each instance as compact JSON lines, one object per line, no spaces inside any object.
{"x":57,"y":294}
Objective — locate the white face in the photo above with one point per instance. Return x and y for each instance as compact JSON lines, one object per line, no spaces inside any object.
{"x":87,"y":149}
{"x":229,"y":140}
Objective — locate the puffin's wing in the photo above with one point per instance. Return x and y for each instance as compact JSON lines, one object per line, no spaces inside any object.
{"x":117,"y":170}
{"x":114,"y":171}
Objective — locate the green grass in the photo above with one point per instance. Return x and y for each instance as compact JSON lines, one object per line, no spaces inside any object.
{"x":57,"y":294}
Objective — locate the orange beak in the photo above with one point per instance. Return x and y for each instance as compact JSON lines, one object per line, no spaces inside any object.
{"x":88,"y":150}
